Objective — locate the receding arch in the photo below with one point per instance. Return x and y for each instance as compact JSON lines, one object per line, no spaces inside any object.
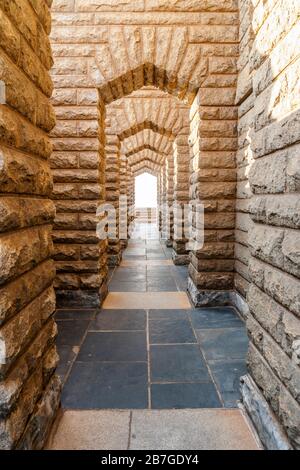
{"x":177,"y":83}
{"x":145,"y":147}
{"x":143,"y":126}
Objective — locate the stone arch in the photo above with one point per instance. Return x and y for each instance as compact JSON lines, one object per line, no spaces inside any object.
{"x":143,"y":126}
{"x":145,"y":147}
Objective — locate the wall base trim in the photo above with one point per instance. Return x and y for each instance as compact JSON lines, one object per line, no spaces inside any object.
{"x":208,"y":298}
{"x":81,"y":298}
{"x":264,"y":420}
{"x":180,"y":260}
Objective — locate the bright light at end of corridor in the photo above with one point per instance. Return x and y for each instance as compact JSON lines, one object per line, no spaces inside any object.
{"x":145,"y":190}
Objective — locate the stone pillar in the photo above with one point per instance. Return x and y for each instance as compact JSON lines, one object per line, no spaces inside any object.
{"x":181,"y":196}
{"x":271,"y":72}
{"x":78,"y":172}
{"x":213,"y":184}
{"x":162,"y":202}
{"x":124,"y":200}
{"x":29,"y":388}
{"x":112,"y":187}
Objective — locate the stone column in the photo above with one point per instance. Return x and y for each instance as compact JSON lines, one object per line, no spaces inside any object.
{"x":181,"y":196}
{"x":29,"y":388}
{"x":78,"y":172}
{"x":213,"y":184}
{"x":124,"y":200}
{"x":162,"y":202}
{"x":112,"y":187}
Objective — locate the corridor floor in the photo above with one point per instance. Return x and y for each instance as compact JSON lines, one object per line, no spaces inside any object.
{"x":157,"y":353}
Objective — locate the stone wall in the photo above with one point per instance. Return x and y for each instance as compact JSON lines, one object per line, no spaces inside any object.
{"x":270,"y":132}
{"x":29,"y":389}
{"x":181,"y":152}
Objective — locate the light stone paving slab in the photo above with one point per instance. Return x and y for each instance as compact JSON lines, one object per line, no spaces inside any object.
{"x":92,"y":430}
{"x":147,"y":300}
{"x":204,"y":429}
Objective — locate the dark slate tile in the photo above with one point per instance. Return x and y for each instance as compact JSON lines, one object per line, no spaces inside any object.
{"x":71,"y":332}
{"x":177,"y":363}
{"x":129,"y":277}
{"x":184,"y":395}
{"x":227,"y":378}
{"x":171,"y":330}
{"x":97,"y":385}
{"x":177,"y":314}
{"x":70,"y":314}
{"x":119,"y":320}
{"x":161,"y":286}
{"x":118,"y":286}
{"x":114,"y":347}
{"x":225,"y":317}
{"x":227,"y":343}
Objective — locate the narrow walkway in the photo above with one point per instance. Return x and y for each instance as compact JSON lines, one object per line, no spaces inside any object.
{"x":148,"y":349}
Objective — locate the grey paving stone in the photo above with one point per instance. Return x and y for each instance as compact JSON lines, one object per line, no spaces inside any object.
{"x":71,"y":332}
{"x":122,"y":286}
{"x":225,"y":317}
{"x":98,"y":385}
{"x":121,"y":320}
{"x":178,"y":363}
{"x":184,"y":395}
{"x":160,"y":314}
{"x":74,"y":314}
{"x":227,"y":378}
{"x":114,"y":347}
{"x":170,"y":331}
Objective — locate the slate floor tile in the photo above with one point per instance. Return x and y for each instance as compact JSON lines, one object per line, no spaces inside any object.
{"x":121,"y":320}
{"x":106,"y":385}
{"x":184,"y":395}
{"x":114,"y":347}
{"x":177,"y":363}
{"x":156,"y":286}
{"x":69,"y":314}
{"x":133,"y":276}
{"x":171,"y":331}
{"x":215,"y":318}
{"x":223,"y":343}
{"x":123,"y":286}
{"x":71,"y":332}
{"x":160,"y":314}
